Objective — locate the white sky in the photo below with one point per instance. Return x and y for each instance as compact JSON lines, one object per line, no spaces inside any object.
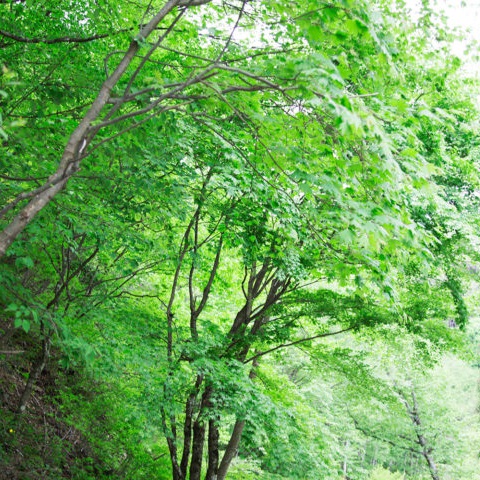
{"x":466,"y":15}
{"x":463,"y":15}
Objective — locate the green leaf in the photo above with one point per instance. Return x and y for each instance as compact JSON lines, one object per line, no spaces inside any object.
{"x":346,"y":236}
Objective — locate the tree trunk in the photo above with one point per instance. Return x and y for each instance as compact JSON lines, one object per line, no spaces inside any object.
{"x":231,"y":449}
{"x":234,"y":442}
{"x":212,"y":451}
{"x":197,"y":449}
{"x":187,"y":434}
{"x":172,"y":447}
{"x":35,"y":373}
{"x":428,"y":458}
{"x":422,"y":441}
{"x":414,"y":413}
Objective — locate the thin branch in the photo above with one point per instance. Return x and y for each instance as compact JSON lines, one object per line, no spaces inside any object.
{"x":151,"y":51}
{"x":191,"y":274}
{"x":198,"y":78}
{"x":182,"y":252}
{"x":382,"y":439}
{"x":37,"y":85}
{"x":70,"y":276}
{"x":144,"y":295}
{"x":213,"y":272}
{"x":22,"y":179}
{"x":192,"y":3}
{"x":263,"y":53}
{"x":296,"y":342}
{"x":363,"y":95}
{"x":250,"y":75}
{"x":25,"y":196}
{"x":53,"y":114}
{"x":189,"y":55}
{"x":66,"y":39}
{"x":227,"y":43}
{"x":136,"y":124}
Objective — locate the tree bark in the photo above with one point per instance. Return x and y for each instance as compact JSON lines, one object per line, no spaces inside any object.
{"x":187,"y":434}
{"x":234,"y":442}
{"x":213,"y":437}
{"x":172,"y":448}
{"x":422,"y":441}
{"x":187,"y":427}
{"x":426,"y":450}
{"x":231,"y":449}
{"x":197,"y":449}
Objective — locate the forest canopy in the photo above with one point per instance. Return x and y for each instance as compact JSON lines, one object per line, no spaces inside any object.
{"x":238,"y":239}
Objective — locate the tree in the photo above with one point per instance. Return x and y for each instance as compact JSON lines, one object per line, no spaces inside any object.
{"x":269,"y":187}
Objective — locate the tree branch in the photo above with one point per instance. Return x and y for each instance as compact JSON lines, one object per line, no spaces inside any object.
{"x":192,"y":3}
{"x":66,"y":39}
{"x":296,"y":342}
{"x":383,"y":439}
{"x":79,"y":139}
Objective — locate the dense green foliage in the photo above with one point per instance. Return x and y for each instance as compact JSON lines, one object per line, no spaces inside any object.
{"x":236,"y":237}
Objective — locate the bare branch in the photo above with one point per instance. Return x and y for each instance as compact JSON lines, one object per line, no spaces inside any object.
{"x":136,"y":124}
{"x":297,"y":342}
{"x":227,"y":43}
{"x":206,"y":290}
{"x":66,"y":39}
{"x":192,"y":3}
{"x":185,"y":54}
{"x":382,"y":439}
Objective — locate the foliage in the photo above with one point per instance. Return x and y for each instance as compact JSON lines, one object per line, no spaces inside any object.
{"x":382,"y":474}
{"x":242,"y":227}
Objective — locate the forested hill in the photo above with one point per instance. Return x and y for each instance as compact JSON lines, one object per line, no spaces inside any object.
{"x":239,"y":239}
